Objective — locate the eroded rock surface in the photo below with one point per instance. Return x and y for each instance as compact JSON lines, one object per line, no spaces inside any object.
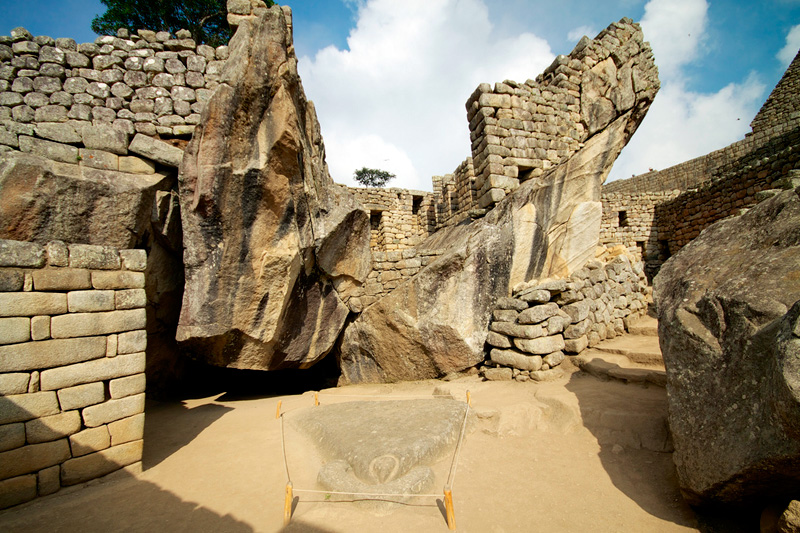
{"x":437,"y":322}
{"x":273,"y":248}
{"x":729,"y":328}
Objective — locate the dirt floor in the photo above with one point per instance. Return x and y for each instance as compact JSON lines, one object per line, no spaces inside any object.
{"x":560,"y":456}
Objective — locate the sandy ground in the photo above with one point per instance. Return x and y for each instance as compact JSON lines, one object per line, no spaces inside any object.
{"x":561,"y":456}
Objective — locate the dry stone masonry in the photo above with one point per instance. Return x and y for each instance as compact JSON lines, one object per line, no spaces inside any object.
{"x":531,"y":331}
{"x":72,"y":361}
{"x":151,"y":82}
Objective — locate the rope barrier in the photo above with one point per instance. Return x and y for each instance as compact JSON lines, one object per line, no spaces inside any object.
{"x":448,"y":496}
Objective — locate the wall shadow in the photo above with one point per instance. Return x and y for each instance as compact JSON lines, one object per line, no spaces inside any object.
{"x":639,"y":461}
{"x":121,"y":502}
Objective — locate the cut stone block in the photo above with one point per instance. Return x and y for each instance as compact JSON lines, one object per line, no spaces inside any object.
{"x":81,"y":396}
{"x":132,"y":342}
{"x":21,"y":254}
{"x":131,"y":299}
{"x":23,"y":407}
{"x":90,"y":301}
{"x":58,"y":279}
{"x":135,"y":260}
{"x":127,"y":386}
{"x":50,"y":353}
{"x":112,"y":410}
{"x":542,"y":345}
{"x":98,"y":464}
{"x":32,"y":303}
{"x":53,"y":427}
{"x":12,"y":436}
{"x":32,"y":458}
{"x":127,"y":429}
{"x":86,"y":324}
{"x":93,"y":256}
{"x":157,"y":150}
{"x":14,"y":383}
{"x":17,"y":490}
{"x":14,"y":330}
{"x":118,"y":280}
{"x":40,"y":328}
{"x":49,"y":480}
{"x":90,"y":441}
{"x":97,"y":370}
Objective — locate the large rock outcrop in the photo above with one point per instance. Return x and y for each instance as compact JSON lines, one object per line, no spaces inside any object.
{"x":437,"y":321}
{"x":729,"y":327}
{"x":273,"y":248}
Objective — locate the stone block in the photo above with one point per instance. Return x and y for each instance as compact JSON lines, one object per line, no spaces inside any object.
{"x":17,"y":490}
{"x":103,"y":323}
{"x":135,"y":260}
{"x":32,"y":458}
{"x":112,"y":410}
{"x":118,"y":280}
{"x":49,"y":480}
{"x":499,"y":374}
{"x":90,"y":371}
{"x":62,"y":132}
{"x":127,"y":430}
{"x":14,"y":383}
{"x":136,"y":165}
{"x":157,"y":150}
{"x":49,"y":149}
{"x":497,"y":340}
{"x":515,"y":359}
{"x":542,"y":345}
{"x":81,"y":396}
{"x":98,"y":159}
{"x":23,"y":407}
{"x":127,"y":386}
{"x":14,"y":330}
{"x":61,"y":279}
{"x":90,"y":440}
{"x":132,"y":342}
{"x":576,"y":345}
{"x":50,"y":353}
{"x":130,"y":299}
{"x":577,"y":311}
{"x":21,"y":254}
{"x":538,"y":296}
{"x":93,"y":256}
{"x":11,"y":279}
{"x":12,"y":436}
{"x":40,"y":328}
{"x":538,"y":313}
{"x":53,"y":427}
{"x":98,"y":464}
{"x":106,"y":138}
{"x":111,"y":346}
{"x":90,"y":301}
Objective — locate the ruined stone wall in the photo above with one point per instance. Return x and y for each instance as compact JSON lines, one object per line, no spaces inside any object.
{"x":150,"y":83}
{"x":531,"y":331}
{"x":390,"y":269}
{"x":782,"y":106}
{"x":455,"y":195}
{"x":520,"y":130}
{"x":399,"y":218}
{"x":72,"y":343}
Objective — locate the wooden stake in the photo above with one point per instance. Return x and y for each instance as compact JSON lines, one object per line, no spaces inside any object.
{"x":287,"y":505}
{"x":469,"y":399}
{"x":316,"y":399}
{"x":278,"y":410}
{"x":448,"y":504}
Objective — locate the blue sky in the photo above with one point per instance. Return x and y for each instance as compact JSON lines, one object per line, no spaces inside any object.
{"x":390,"y":77}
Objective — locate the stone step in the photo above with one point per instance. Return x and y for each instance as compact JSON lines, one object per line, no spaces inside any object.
{"x":605,"y":365}
{"x":646,"y":325}
{"x":641,"y":349}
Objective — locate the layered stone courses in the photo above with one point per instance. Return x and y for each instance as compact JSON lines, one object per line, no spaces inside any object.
{"x":531,"y":332}
{"x":72,"y":341}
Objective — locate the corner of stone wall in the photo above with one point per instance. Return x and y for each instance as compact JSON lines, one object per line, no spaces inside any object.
{"x":72,"y":361}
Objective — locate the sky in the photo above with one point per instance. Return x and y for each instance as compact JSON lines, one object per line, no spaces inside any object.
{"x":390,"y":78}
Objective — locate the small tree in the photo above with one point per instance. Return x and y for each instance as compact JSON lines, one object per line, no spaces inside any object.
{"x":372,"y":177}
{"x":205,"y":19}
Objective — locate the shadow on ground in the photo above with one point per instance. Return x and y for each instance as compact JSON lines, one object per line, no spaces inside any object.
{"x":634,"y":444}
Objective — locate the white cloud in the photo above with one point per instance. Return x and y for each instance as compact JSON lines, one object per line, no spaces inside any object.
{"x":576,"y":33}
{"x":787,"y":53}
{"x":675,"y":29}
{"x":397,"y":94}
{"x":682,"y":125}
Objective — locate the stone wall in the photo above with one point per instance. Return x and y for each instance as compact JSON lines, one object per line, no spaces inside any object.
{"x":151,"y":83}
{"x":531,"y":331}
{"x":72,"y":343}
{"x":399,"y":218}
{"x":782,"y":106}
{"x":520,"y":130}
{"x":455,"y":195}
{"x":390,"y":269}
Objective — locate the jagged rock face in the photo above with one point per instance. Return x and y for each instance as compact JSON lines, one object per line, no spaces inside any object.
{"x":272,"y":246}
{"x":45,"y":200}
{"x":437,"y":322}
{"x":729,"y":328}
